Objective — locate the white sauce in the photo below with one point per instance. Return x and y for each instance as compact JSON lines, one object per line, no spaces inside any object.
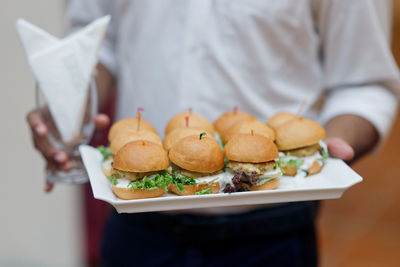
{"x":223,"y":179}
{"x":107,"y":164}
{"x":323,"y":145}
{"x":226,"y":178}
{"x":308,"y":161}
{"x":266,"y":176}
{"x":123,"y":183}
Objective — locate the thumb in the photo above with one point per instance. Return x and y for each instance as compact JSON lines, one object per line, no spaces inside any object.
{"x":338,"y":148}
{"x":101,"y":121}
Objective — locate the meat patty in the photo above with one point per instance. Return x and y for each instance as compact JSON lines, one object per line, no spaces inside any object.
{"x":130,"y":175}
{"x":177,"y":169}
{"x":304,"y":151}
{"x":251,"y":167}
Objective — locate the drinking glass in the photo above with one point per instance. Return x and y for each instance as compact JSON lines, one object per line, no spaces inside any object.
{"x":77,"y":174}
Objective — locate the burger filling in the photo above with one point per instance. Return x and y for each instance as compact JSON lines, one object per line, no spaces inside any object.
{"x":247,"y":175}
{"x":108,"y":158}
{"x":151,"y":182}
{"x":258,"y":168}
{"x":304,"y":151}
{"x":301,"y":159}
{"x":130,"y":175}
{"x":183,"y":172}
{"x":203,"y":179}
{"x":161,"y":179}
{"x":107,"y":164}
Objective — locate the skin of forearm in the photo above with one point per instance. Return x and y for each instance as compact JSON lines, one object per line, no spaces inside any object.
{"x":358,"y":132}
{"x":105,"y":84}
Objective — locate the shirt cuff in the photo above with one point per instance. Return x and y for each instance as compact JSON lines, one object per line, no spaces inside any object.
{"x":374,"y":103}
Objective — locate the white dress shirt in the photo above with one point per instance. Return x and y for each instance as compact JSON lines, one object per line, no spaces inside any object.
{"x":263,"y":55}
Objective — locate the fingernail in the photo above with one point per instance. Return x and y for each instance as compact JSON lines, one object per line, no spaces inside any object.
{"x":40,"y":129}
{"x":67,"y":166}
{"x":48,"y":187}
{"x":59,"y":157}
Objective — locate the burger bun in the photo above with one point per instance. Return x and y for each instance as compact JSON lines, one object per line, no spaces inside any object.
{"x":298,"y":133}
{"x":197,"y":155}
{"x":251,"y":148}
{"x":141,"y":156}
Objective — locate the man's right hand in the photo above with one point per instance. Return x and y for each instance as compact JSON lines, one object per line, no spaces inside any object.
{"x":56,"y":159}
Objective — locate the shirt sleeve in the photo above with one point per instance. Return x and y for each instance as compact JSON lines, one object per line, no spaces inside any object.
{"x":359,"y":71}
{"x":82,"y":12}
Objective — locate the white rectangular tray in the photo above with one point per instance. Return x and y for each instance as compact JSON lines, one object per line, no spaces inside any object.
{"x":331,"y":182}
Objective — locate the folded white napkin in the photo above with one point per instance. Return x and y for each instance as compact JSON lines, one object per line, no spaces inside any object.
{"x":63,"y":69}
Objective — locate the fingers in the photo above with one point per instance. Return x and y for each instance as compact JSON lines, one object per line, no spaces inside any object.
{"x":48,"y":187}
{"x":56,"y":159}
{"x":36,"y":123}
{"x":39,"y":134}
{"x":101,"y":121}
{"x":338,"y":148}
{"x":61,"y":158}
{"x":52,"y":154}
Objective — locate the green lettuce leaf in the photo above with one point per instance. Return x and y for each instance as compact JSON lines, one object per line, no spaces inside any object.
{"x":324,"y":154}
{"x":295,"y":163}
{"x":181,"y":180}
{"x":204,"y":191}
{"x":283,"y":162}
{"x":113,"y":180}
{"x":105,"y":151}
{"x":161,"y":179}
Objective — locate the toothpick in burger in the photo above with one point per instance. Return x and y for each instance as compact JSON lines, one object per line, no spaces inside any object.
{"x":257,"y":126}
{"x":228,"y":119}
{"x":128,"y":136}
{"x":130,"y":124}
{"x":174,"y":136}
{"x":188,"y":119}
{"x":280,"y":118}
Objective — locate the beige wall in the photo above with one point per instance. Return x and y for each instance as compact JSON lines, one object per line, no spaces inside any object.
{"x":36,"y":229}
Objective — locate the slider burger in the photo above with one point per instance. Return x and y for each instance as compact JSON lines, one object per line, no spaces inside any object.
{"x":228,"y":119}
{"x":177,"y":134}
{"x":188,"y":119}
{"x":122,"y":139}
{"x":139,"y":171}
{"x":280,"y":118}
{"x":300,"y":146}
{"x":198,"y":157}
{"x":258,"y":128}
{"x":126,"y":127}
{"x":130,"y":135}
{"x":252,"y":160}
{"x":131,"y":124}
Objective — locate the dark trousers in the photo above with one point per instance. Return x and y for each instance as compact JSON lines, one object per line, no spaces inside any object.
{"x":277,"y":236}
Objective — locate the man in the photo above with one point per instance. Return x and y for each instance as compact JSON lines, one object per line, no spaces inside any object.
{"x":265,"y":56}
